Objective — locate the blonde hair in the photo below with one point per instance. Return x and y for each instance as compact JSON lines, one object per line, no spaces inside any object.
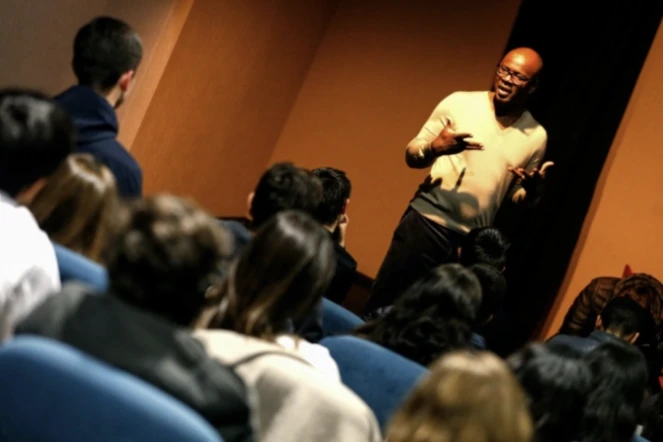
{"x":75,"y":205}
{"x":467,"y":397}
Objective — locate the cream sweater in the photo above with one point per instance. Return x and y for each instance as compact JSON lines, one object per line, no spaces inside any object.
{"x":465,"y":190}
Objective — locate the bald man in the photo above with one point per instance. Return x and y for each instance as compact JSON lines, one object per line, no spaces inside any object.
{"x":477,"y":144}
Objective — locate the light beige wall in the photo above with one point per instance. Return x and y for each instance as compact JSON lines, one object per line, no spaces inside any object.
{"x":623,"y":225}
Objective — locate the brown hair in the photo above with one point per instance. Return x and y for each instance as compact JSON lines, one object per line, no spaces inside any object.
{"x":467,"y":397}
{"x":280,"y":277}
{"x":75,"y":205}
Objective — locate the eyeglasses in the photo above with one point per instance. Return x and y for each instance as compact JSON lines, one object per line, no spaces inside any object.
{"x":517,"y":78}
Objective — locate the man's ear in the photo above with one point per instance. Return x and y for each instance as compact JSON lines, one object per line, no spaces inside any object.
{"x":249,"y":203}
{"x":598,"y":325}
{"x":631,"y":339}
{"x":27,"y":195}
{"x":126,"y":81}
{"x":345,"y":206}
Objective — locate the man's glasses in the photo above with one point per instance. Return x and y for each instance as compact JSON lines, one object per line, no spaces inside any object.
{"x":517,"y":78}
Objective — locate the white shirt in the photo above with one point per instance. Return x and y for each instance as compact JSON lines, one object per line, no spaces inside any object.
{"x":315,"y":354}
{"x":465,"y":190}
{"x":28,"y":268}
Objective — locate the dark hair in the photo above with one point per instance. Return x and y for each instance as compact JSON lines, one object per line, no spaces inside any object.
{"x":280,"y":277}
{"x":619,"y":377}
{"x":35,"y":137}
{"x":284,"y":186}
{"x":493,"y":290}
{"x":434,"y":316}
{"x":104,"y":49}
{"x":336,"y":189}
{"x":76,"y":204}
{"x":166,"y":256}
{"x":626,"y":316}
{"x":484,"y":245}
{"x":556,"y":384}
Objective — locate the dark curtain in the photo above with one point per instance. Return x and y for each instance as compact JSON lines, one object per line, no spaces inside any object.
{"x":593,"y":53}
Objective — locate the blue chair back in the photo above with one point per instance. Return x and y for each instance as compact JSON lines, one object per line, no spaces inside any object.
{"x":54,"y":393}
{"x":337,"y":320}
{"x":75,"y":267}
{"x":382,"y":378}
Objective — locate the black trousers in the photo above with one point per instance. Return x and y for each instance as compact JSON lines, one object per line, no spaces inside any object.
{"x":418,"y":246}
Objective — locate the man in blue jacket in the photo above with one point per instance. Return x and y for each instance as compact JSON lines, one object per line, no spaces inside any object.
{"x":107,"y":53}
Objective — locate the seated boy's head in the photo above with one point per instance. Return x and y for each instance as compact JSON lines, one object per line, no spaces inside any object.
{"x":484,"y":245}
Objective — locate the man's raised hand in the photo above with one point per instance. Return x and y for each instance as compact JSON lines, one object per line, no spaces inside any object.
{"x":449,"y":141}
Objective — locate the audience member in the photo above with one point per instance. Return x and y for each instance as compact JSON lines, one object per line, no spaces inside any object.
{"x":279,"y":279}
{"x":556,"y":382}
{"x":332,"y":213}
{"x":163,"y":265}
{"x":433,"y":317}
{"x":484,"y":245}
{"x":107,"y":53}
{"x":35,"y":137}
{"x":619,"y":377}
{"x":493,"y":292}
{"x":76,"y":205}
{"x":467,"y":397}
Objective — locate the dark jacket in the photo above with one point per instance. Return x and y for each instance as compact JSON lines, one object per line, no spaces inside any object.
{"x":97,"y":128}
{"x":344,"y":276}
{"x":584,"y":345}
{"x":150,"y":348}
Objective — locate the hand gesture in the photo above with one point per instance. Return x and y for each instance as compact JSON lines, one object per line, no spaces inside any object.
{"x":532,"y":181}
{"x":449,"y":141}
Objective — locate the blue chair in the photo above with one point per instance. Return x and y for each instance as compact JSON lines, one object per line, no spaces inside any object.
{"x":337,"y":320}
{"x":382,"y":378}
{"x":75,"y":267}
{"x":54,"y":393}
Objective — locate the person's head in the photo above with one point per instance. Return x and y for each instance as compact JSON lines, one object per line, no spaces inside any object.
{"x":619,"y":377}
{"x":493,"y":290}
{"x":466,"y":397}
{"x":280,"y":277}
{"x":517,"y":77}
{"x":35,"y":137}
{"x":434,"y":316}
{"x":556,"y":383}
{"x":336,"y":189}
{"x":76,"y":204}
{"x":167,"y":257}
{"x":284,"y":186}
{"x":642,"y":288}
{"x":107,"y":53}
{"x":624,"y":318}
{"x":484,"y":245}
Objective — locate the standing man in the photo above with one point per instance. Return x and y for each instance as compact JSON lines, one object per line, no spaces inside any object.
{"x":476,"y":143}
{"x":107,"y":53}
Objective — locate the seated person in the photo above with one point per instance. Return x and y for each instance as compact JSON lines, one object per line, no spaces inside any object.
{"x":433,"y":317}
{"x":164,"y":259}
{"x":484,"y":245}
{"x":75,"y":206}
{"x":280,"y":277}
{"x":331,"y":213}
{"x":493,"y":292}
{"x":35,"y":137}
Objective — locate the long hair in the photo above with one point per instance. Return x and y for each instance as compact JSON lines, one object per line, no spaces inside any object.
{"x":467,"y":397}
{"x":76,"y":204}
{"x":434,"y":316}
{"x":619,"y":377}
{"x":280,"y":277}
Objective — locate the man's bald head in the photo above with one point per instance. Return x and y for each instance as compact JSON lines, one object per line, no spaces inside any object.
{"x":516,"y":76}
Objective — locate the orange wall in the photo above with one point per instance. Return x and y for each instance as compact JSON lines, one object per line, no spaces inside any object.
{"x":224,"y":96}
{"x":624,"y":222}
{"x":380,"y":70}
{"x":37,"y":39}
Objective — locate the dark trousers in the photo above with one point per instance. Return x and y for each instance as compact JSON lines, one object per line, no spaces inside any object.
{"x":418,"y":246}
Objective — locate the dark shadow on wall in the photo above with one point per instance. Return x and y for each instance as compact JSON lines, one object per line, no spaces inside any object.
{"x":592,"y":58}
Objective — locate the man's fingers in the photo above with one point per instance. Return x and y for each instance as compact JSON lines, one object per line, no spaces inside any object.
{"x":462,"y":135}
{"x":472,"y":145}
{"x":520,"y":173}
{"x":547,"y":165}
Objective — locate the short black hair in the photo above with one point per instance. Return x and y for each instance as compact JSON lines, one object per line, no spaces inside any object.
{"x":35,"y":137}
{"x":625,"y":315}
{"x":104,"y":49}
{"x":484,"y":245}
{"x":336,"y":189}
{"x":284,"y":186}
{"x":493,"y":290}
{"x":166,"y":253}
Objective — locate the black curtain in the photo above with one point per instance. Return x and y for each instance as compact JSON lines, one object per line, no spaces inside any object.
{"x":593,"y":53}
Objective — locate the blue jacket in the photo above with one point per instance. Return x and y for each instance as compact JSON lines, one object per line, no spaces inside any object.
{"x":97,"y":128}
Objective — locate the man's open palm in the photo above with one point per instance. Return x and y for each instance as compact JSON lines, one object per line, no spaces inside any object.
{"x":532,"y":181}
